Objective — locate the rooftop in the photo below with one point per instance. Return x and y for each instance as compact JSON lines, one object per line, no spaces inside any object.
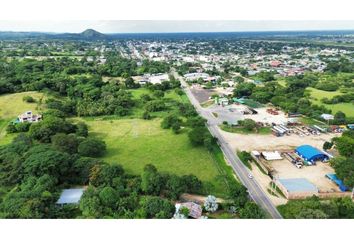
{"x":70,"y":196}
{"x":298,"y":185}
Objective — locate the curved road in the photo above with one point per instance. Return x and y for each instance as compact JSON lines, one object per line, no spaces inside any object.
{"x":255,"y":191}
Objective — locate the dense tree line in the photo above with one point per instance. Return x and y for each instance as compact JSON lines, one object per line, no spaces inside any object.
{"x":80,"y":81}
{"x":291,"y":98}
{"x":56,"y":153}
{"x":344,"y":164}
{"x":314,"y":208}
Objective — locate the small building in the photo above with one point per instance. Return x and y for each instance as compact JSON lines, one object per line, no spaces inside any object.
{"x":222,"y":101}
{"x":70,"y":196}
{"x":327,"y":117}
{"x":350,"y":126}
{"x":238,"y":100}
{"x":275,"y":63}
{"x":310,"y":153}
{"x":271,"y":156}
{"x":29,"y":117}
{"x":195,"y":210}
{"x":297,"y":188}
{"x":196,"y":76}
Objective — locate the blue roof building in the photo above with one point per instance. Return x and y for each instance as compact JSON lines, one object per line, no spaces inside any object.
{"x":310,"y":153}
{"x":69,"y":196}
{"x":297,"y":188}
{"x":333,"y":177}
{"x":298,"y":185}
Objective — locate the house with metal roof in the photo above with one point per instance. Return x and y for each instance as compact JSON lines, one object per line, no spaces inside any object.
{"x":297,"y":188}
{"x":310,"y":153}
{"x":195,"y":210}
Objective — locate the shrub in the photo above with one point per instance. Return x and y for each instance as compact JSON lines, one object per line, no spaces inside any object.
{"x":28,"y":99}
{"x":92,"y":148}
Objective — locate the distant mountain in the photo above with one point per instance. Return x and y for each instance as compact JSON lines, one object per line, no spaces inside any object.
{"x":90,"y":33}
{"x":14,"y":35}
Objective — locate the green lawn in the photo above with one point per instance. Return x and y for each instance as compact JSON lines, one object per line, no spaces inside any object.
{"x":317,"y":95}
{"x":4,"y":137}
{"x":12,"y":105}
{"x":170,"y":94}
{"x":133,"y":143}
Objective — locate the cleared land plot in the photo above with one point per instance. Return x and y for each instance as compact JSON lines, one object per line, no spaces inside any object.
{"x":133,"y":143}
{"x":265,"y":117}
{"x":251,"y":142}
{"x":315,"y":174}
{"x":201,"y":94}
{"x":227,"y":114}
{"x":317,"y":95}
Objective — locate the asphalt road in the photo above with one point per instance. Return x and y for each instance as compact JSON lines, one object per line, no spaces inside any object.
{"x":255,"y":191}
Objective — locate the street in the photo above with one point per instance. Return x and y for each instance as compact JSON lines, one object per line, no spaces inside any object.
{"x":255,"y":191}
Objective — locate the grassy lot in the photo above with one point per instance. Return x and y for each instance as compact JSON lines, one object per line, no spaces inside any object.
{"x":133,"y":143}
{"x":4,"y":137}
{"x":170,"y":95}
{"x":207,"y":103}
{"x":112,"y":79}
{"x":11,"y":105}
{"x":317,"y":95}
{"x":282,"y":82}
{"x":312,"y":121}
{"x":241,"y":130}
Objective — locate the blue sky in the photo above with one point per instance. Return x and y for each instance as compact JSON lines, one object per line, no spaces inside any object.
{"x":133,"y":26}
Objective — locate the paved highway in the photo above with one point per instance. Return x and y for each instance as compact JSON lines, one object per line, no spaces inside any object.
{"x":255,"y":191}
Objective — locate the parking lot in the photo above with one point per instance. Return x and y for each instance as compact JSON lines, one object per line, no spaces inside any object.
{"x":226,"y":114}
{"x":201,"y":94}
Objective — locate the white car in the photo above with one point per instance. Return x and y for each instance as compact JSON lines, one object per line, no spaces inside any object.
{"x":250,"y":176}
{"x":298,"y":165}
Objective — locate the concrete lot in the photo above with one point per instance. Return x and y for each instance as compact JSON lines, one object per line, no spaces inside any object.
{"x":265,"y":117}
{"x":227,"y":113}
{"x":201,"y":94}
{"x":315,"y":174}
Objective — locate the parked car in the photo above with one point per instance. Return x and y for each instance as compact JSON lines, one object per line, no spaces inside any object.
{"x":298,"y":165}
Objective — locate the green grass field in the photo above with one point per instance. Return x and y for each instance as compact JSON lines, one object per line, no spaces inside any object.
{"x":133,"y":143}
{"x":12,"y":105}
{"x":317,"y":95}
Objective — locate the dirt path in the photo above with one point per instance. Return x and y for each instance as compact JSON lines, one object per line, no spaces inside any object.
{"x":197,"y":198}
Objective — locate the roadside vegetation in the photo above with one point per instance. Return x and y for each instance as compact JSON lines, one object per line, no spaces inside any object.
{"x":247,"y":126}
{"x":314,"y":208}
